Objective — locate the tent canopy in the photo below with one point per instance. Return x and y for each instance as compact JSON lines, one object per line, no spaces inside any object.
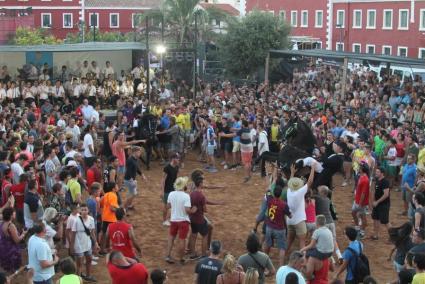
{"x":351,"y":56}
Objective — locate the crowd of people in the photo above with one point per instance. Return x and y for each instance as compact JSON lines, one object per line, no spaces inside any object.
{"x":70,"y":173}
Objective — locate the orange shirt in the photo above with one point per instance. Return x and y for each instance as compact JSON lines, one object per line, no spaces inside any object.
{"x":110,"y":199}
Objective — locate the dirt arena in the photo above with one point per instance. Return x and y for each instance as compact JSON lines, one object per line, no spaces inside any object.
{"x":233,"y":221}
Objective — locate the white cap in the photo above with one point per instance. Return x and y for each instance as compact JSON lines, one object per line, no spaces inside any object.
{"x":72,"y":163}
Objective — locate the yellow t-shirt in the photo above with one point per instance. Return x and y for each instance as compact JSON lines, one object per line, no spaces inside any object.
{"x":274,"y":132}
{"x":180,"y":120}
{"x":157,"y":111}
{"x":74,"y":187}
{"x":419,"y":278}
{"x":421,"y":157}
{"x":187,"y":123}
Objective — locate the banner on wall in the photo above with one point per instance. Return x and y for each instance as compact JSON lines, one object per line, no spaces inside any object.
{"x":38,"y":58}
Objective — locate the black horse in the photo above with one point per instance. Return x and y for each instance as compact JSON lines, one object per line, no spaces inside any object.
{"x":298,"y":141}
{"x":145,"y":130}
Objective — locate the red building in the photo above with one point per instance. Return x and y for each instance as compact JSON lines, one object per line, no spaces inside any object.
{"x":393,"y":27}
{"x":63,"y":16}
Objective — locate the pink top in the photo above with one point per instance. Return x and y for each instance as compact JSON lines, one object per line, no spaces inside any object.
{"x":310,"y":212}
{"x":119,"y":153}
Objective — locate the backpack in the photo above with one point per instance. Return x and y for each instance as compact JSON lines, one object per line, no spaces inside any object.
{"x":361,"y":267}
{"x":68,"y":198}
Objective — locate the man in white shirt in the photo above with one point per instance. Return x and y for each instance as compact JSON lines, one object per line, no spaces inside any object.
{"x":296,"y":263}
{"x":17,"y":168}
{"x":164,"y":93}
{"x":179,"y":203}
{"x":88,"y":146}
{"x":95,"y":69}
{"x":81,"y":241}
{"x":108,"y":70}
{"x":75,"y":130}
{"x":84,"y":69}
{"x":40,"y":256}
{"x":295,"y":196}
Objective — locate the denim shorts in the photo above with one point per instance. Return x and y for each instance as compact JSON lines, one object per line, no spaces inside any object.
{"x":121,"y":170}
{"x":210,"y":150}
{"x":131,"y":185}
{"x":278,"y":235}
{"x":48,"y":281}
{"x":81,"y":254}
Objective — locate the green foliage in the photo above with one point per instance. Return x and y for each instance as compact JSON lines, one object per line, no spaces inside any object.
{"x":245,"y":45}
{"x":100,"y":37}
{"x":31,"y":36}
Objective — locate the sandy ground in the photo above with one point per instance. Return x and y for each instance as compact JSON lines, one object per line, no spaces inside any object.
{"x":233,"y":222}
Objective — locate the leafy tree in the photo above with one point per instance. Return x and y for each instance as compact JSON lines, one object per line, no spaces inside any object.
{"x":245,"y":45}
{"x":31,"y":36}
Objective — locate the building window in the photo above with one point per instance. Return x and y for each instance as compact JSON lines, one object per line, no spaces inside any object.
{"x":402,"y":51}
{"x":403,"y":19}
{"x":421,"y":53}
{"x":294,"y":15}
{"x":386,"y":50}
{"x":357,"y":19}
{"x":94,"y":20}
{"x":340,"y":18}
{"x":319,"y":19}
{"x":357,"y":47}
{"x":422,"y":20}
{"x":304,"y":19}
{"x":67,"y":21}
{"x":370,"y":48}
{"x":339,"y":46}
{"x":387,"y":20}
{"x":318,"y":45}
{"x":46,"y":20}
{"x":371,"y":19}
{"x":114,"y":20}
{"x":282,"y":15}
{"x":136,"y":20}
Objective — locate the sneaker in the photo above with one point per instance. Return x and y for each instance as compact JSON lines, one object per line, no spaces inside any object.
{"x":166,"y":223}
{"x":362,"y":235}
{"x":225,"y":167}
{"x":95,"y":257}
{"x":344,"y":184}
{"x":223,"y":163}
{"x":93,"y":263}
{"x":212,"y":170}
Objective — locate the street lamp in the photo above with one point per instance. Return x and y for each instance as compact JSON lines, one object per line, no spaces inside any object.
{"x":161,"y":49}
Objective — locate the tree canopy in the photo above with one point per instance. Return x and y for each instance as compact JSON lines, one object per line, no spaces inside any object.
{"x":245,"y":45}
{"x":31,"y":36}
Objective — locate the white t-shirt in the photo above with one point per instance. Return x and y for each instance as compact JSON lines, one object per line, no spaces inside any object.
{"x":179,"y":200}
{"x":254,"y":137}
{"x":318,"y":168}
{"x":296,"y":204}
{"x":392,"y":153}
{"x":262,"y":139}
{"x":283,"y":271}
{"x":17,"y":170}
{"x":82,"y":240}
{"x":38,"y":250}
{"x":324,"y":240}
{"x":69,"y":223}
{"x":50,"y":234}
{"x":88,"y":140}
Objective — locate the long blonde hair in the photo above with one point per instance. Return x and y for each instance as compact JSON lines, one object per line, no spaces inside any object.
{"x":251,"y":276}
{"x":229,"y":264}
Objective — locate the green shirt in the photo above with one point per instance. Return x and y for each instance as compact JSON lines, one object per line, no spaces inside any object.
{"x":75,"y":188}
{"x":379,"y":145}
{"x":70,"y":279}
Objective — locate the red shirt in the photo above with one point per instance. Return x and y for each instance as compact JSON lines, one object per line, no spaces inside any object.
{"x":276,"y":211}
{"x":18,"y":191}
{"x":197,"y":199}
{"x":362,"y":188}
{"x":120,"y":238}
{"x":93,"y":175}
{"x":132,"y":274}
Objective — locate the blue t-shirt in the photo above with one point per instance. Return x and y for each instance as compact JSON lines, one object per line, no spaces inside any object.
{"x":409,"y":175}
{"x":91,"y":204}
{"x":351,"y":258}
{"x":237,"y":125}
{"x":210,"y":136}
{"x":337,"y":131}
{"x":165,"y":122}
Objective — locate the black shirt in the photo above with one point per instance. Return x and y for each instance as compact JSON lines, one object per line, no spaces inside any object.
{"x":379,"y":191}
{"x":131,"y":168}
{"x":171,"y":173}
{"x":208,"y":269}
{"x":226,"y":130}
{"x":31,"y":199}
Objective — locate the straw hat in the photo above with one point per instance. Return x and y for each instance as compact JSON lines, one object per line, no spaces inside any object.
{"x":295,"y":183}
{"x":181,"y":183}
{"x":49,"y":214}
